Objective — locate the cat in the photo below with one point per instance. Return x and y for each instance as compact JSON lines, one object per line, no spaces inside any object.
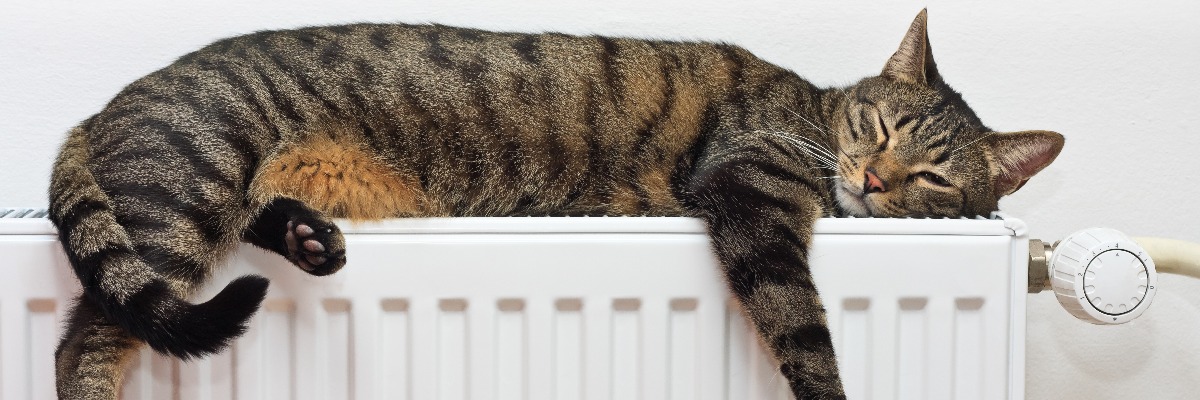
{"x":263,"y":138}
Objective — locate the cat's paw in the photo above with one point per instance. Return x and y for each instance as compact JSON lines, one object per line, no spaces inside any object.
{"x":316,"y":247}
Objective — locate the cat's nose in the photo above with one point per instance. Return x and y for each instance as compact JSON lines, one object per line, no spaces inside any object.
{"x":872,"y":183}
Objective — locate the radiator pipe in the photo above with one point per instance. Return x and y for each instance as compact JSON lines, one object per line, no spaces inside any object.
{"x":1170,"y":256}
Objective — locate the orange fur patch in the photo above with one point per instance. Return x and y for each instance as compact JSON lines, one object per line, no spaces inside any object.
{"x":341,"y":180}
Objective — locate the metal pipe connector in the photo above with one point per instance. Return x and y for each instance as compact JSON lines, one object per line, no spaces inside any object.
{"x":1039,"y":265}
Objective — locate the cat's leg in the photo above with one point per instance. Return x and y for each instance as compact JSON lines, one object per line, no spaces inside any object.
{"x":299,"y":233}
{"x":760,"y":207}
{"x":93,"y":355}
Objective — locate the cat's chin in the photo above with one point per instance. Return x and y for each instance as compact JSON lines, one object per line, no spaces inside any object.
{"x":853,"y":205}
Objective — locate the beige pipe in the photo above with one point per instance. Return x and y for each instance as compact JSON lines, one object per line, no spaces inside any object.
{"x":1172,"y":256}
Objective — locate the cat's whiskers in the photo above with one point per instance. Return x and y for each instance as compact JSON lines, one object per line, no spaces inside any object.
{"x":813,"y":149}
{"x":827,"y":131}
{"x":827,"y":155}
{"x":817,"y":146}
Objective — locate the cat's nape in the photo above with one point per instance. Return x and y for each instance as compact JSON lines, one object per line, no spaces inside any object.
{"x":263,"y":138}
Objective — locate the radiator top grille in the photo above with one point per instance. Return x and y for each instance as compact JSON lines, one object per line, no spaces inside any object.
{"x":32,"y":221}
{"x":42,"y":212}
{"x":23,"y":213}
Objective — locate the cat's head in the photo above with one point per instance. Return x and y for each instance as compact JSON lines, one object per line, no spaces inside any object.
{"x":910,"y":146}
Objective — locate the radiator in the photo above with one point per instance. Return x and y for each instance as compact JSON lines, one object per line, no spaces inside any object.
{"x":565,"y":308}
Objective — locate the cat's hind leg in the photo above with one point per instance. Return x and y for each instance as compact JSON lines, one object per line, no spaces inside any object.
{"x":299,"y":233}
{"x":93,"y":355}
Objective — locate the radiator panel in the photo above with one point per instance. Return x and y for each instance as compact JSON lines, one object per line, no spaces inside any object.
{"x":553,"y":308}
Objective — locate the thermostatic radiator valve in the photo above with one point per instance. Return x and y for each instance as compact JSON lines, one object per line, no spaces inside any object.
{"x":1101,"y":276}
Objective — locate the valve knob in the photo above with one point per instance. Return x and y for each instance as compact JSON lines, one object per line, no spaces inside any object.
{"x":1102,"y":276}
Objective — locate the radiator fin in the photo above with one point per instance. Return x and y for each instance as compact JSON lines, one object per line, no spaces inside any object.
{"x":568,"y":349}
{"x":394,"y":370}
{"x":42,"y":317}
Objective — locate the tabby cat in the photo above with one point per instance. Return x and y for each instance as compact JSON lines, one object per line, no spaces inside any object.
{"x":263,"y":138}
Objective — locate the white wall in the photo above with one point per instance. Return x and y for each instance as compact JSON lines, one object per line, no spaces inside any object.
{"x":1120,"y":80}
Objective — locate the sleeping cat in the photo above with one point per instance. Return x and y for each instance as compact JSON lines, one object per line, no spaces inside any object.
{"x":265,"y":137}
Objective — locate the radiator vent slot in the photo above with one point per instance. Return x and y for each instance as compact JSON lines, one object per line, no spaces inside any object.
{"x":23,"y":213}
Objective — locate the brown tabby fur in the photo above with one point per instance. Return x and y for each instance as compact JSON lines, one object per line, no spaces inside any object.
{"x":264,"y":137}
{"x":340,"y":177}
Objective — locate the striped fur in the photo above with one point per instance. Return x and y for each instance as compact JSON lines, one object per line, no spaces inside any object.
{"x":263,"y":137}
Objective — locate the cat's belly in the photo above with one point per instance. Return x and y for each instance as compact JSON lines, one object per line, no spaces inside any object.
{"x":345,"y":180}
{"x":341,"y":179}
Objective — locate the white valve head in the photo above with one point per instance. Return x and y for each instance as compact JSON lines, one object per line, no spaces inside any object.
{"x":1102,"y":276}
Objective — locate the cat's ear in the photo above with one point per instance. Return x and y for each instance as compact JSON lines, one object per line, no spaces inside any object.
{"x":913,"y":61}
{"x":1017,"y":156}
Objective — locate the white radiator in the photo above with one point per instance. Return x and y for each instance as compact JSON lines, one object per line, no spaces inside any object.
{"x":566,"y":308}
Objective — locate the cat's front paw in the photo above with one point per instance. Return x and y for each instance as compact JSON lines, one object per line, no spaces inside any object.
{"x":316,"y":247}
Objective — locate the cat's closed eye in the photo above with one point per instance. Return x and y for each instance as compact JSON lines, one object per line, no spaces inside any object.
{"x":935,"y":179}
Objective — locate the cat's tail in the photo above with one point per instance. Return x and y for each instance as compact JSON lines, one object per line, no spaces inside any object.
{"x":114,"y":277}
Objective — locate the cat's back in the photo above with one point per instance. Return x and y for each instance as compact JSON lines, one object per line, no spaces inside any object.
{"x":449,"y":46}
{"x":587,"y":121}
{"x":360,"y":69}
